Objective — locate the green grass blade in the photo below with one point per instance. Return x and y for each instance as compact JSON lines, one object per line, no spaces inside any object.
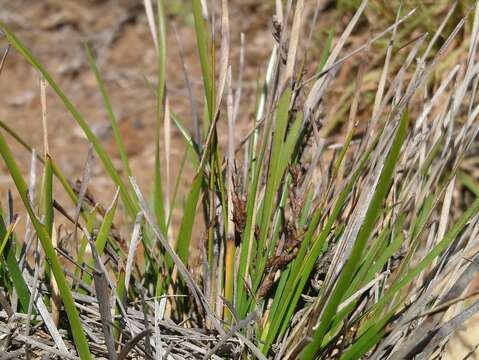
{"x":109,"y":111}
{"x":253,"y":211}
{"x":202,"y":44}
{"x":368,"y":225}
{"x":104,"y":232}
{"x":186,"y":227}
{"x":373,"y":335}
{"x":47,"y":202}
{"x":451,"y":235}
{"x":105,"y":227}
{"x":377,"y":257}
{"x":158,"y":202}
{"x":84,"y":241}
{"x":285,"y":151}
{"x":121,"y":296}
{"x":48,"y":195}
{"x":131,"y":206}
{"x":18,"y":280}
{"x":371,"y":272}
{"x":56,"y":170}
{"x":179,"y":176}
{"x":190,"y":142}
{"x":42,"y":233}
{"x":469,"y":182}
{"x":305,"y":261}
{"x":6,"y":235}
{"x":362,"y":346}
{"x":326,"y":52}
{"x":8,"y":256}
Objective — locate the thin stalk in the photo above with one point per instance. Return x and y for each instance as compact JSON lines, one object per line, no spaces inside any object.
{"x":50,"y":254}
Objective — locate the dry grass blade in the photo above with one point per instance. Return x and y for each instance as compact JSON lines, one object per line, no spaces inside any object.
{"x":32,"y":299}
{"x":189,"y":87}
{"x":159,"y":314}
{"x":234,"y":329}
{"x":254,"y":350}
{"x":426,"y":344}
{"x":38,"y":343}
{"x":82,"y":191}
{"x":294,"y":40}
{"x":12,"y":355}
{"x":6,"y":305}
{"x":314,"y":95}
{"x":363,"y":290}
{"x":359,"y":49}
{"x":29,"y":238}
{"x":224,"y":55}
{"x":135,"y":240}
{"x":103,"y":295}
{"x":223,"y":69}
{"x":239,"y":85}
{"x":46,"y":317}
{"x":151,"y":22}
{"x":464,"y":279}
{"x":167,"y":139}
{"x":438,"y":32}
{"x":4,"y":57}
{"x":279,"y":11}
{"x":385,"y":70}
{"x":132,"y":343}
{"x":196,"y":292}
{"x":446,"y":305}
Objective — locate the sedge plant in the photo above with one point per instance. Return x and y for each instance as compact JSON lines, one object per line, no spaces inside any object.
{"x":317,"y":243}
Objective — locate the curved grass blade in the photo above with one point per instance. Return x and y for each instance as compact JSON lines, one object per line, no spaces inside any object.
{"x":14,"y":270}
{"x":158,"y":200}
{"x":469,"y":182}
{"x":186,"y":227}
{"x":202,"y":44}
{"x":132,"y":207}
{"x":42,"y":233}
{"x":367,"y":227}
{"x":451,"y":235}
{"x":6,"y":235}
{"x":274,"y":175}
{"x":304,"y":263}
{"x":84,"y":242}
{"x":104,"y":232}
{"x":56,"y":170}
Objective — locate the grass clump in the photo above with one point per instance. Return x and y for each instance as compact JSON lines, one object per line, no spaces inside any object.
{"x":320,"y":245}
